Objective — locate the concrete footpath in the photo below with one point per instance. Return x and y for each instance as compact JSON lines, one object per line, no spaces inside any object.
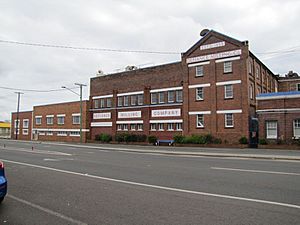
{"x":272,"y":154}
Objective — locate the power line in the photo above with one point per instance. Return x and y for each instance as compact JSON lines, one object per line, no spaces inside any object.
{"x":87,"y":48}
{"x":34,"y":90}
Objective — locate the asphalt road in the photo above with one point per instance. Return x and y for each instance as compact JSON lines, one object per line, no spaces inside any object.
{"x":54,"y":184}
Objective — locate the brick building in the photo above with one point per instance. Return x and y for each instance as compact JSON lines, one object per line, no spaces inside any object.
{"x":211,"y":90}
{"x":24,"y":125}
{"x":56,"y":122}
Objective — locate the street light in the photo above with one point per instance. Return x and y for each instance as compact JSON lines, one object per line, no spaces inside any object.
{"x":80,"y":95}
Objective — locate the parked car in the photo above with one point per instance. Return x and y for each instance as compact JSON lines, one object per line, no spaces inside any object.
{"x":3,"y":182}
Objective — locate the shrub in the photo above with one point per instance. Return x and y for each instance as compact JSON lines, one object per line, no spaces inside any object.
{"x":141,"y":138}
{"x":120,"y":137}
{"x":103,"y":138}
{"x":243,"y":140}
{"x":217,"y":140}
{"x":263,"y":142}
{"x":152,"y":139}
{"x":97,"y":137}
{"x":178,"y":139}
{"x":208,"y":138}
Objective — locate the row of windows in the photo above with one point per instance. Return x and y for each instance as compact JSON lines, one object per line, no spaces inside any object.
{"x":272,"y":129}
{"x":228,"y":92}
{"x":103,"y":103}
{"x":227,"y":68}
{"x":153,"y":127}
{"x":59,"y":133}
{"x":25,"y":123}
{"x":131,"y":100}
{"x":228,"y":117}
{"x":60,"y":120}
{"x":133,"y":127}
{"x":24,"y":131}
{"x":166,"y":97}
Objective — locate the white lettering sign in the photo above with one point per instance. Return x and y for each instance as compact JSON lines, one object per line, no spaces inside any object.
{"x":214,"y":56}
{"x":97,"y":116}
{"x":166,"y":113}
{"x":130,"y":114}
{"x":213,"y":45}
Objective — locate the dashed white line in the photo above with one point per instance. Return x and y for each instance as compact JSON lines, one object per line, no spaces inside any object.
{"x":160,"y":187}
{"x":256,"y":171}
{"x":48,"y":211}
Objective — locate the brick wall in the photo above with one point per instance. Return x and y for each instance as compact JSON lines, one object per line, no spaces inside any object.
{"x":24,"y":133}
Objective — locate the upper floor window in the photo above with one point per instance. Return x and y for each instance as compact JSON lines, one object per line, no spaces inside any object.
{"x":153,"y":98}
{"x":25,"y":123}
{"x":49,"y":120}
{"x":96,"y":103}
{"x":126,"y":100}
{"x":17,"y":123}
{"x":38,"y":120}
{"x":171,"y":96}
{"x":102,"y":103}
{"x":179,"y":96}
{"x":161,"y":97}
{"x":108,"y":103}
{"x":298,"y":87}
{"x":120,"y":101}
{"x":229,"y":120}
{"x":133,"y":100}
{"x":60,"y":120}
{"x":251,"y":91}
{"x":250,"y":67}
{"x":199,"y":93}
{"x":227,"y":67}
{"x":76,"y":119}
{"x":199,"y":71}
{"x":257,"y":72}
{"x":228,"y":89}
{"x":140,"y":99}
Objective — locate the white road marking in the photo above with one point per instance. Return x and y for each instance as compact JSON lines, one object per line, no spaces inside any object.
{"x":256,"y":171}
{"x":36,"y":151}
{"x":48,"y":211}
{"x":158,"y":187}
{"x":57,"y":160}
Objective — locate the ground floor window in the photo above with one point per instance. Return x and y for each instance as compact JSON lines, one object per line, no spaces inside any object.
{"x":229,"y":120}
{"x":62,"y":133}
{"x":160,"y":126}
{"x":200,"y":120}
{"x":25,"y":131}
{"x":139,"y":126}
{"x":153,"y":126}
{"x":170,"y":126}
{"x":271,"y":129}
{"x":75,"y":133}
{"x":297,"y":128}
{"x":132,"y":127}
{"x":49,"y":133}
{"x":178,"y":126}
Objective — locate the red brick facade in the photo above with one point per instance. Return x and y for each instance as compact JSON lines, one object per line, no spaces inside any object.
{"x":25,"y":125}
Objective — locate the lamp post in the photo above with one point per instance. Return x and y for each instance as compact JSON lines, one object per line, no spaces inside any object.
{"x":18,"y":109}
{"x":80,"y":95}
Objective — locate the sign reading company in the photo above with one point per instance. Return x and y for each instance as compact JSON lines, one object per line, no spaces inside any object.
{"x":213,"y":45}
{"x":97,"y":116}
{"x":166,"y":112}
{"x":214,"y":56}
{"x":130,"y":114}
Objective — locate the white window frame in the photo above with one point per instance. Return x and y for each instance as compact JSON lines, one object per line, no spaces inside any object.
{"x":139,"y":127}
{"x":75,"y":134}
{"x":108,"y":103}
{"x":133,"y":100}
{"x":120,"y":101}
{"x":154,"y":98}
{"x":49,"y":133}
{"x":296,"y":126}
{"x":161,"y":97}
{"x":170,"y":126}
{"x":96,"y":103}
{"x":199,"y":94}
{"x":178,"y":126}
{"x":125,"y":126}
{"x":177,"y":96}
{"x":38,"y":119}
{"x":132,"y":126}
{"x":126,"y":101}
{"x":200,"y":121}
{"x":161,"y":127}
{"x":62,"y":133}
{"x":102,"y":103}
{"x":227,"y":120}
{"x":52,"y":120}
{"x":24,"y":125}
{"x":171,"y":96}
{"x":25,"y":132}
{"x":228,"y":92}
{"x":153,"y":126}
{"x":251,"y":91}
{"x":140,"y":99}
{"x":268,"y":127}
{"x":58,"y":120}
{"x":227,"y":66}
{"x":199,"y":71}
{"x":119,"y":126}
{"x":73,"y":119}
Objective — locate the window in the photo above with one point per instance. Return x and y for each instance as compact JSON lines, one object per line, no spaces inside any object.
{"x":170,"y":126}
{"x":120,"y":127}
{"x":178,"y":126}
{"x":298,"y":87}
{"x":258,"y":90}
{"x":38,"y":120}
{"x":126,"y":100}
{"x":199,"y":93}
{"x":161,"y":97}
{"x":49,"y":120}
{"x":251,"y":91}
{"x":133,"y":100}
{"x":17,"y":123}
{"x":96,"y":104}
{"x":25,"y":123}
{"x":49,"y":133}
{"x":102,"y":103}
{"x":25,"y":131}
{"x":257,"y":72}
{"x":140,"y":127}
{"x":271,"y":129}
{"x":140,"y":99}
{"x":42,"y":133}
{"x":108,"y":103}
{"x":227,"y":67}
{"x":200,"y":120}
{"x":76,"y":119}
{"x":120,"y":101}
{"x":229,"y":120}
{"x":199,"y":71}
{"x":153,"y":126}
{"x":228,"y":91}
{"x":171,"y":96}
{"x":132,"y":126}
{"x":62,"y":133}
{"x":60,"y":120}
{"x":250,"y":67}
{"x":179,"y":96}
{"x":153,"y":98}
{"x":75,"y":133}
{"x":297,"y":128}
{"x":160,"y":126}
{"x":125,"y":126}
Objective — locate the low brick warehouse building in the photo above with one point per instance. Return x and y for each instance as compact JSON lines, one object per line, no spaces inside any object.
{"x":24,"y":125}
{"x":211,"y":90}
{"x":56,"y":122}
{"x":279,"y":116}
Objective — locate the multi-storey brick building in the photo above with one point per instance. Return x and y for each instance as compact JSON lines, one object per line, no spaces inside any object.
{"x":56,"y":122}
{"x":211,"y":90}
{"x":24,"y":125}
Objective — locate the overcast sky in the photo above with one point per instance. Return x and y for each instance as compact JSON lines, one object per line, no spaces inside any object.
{"x":156,"y":25}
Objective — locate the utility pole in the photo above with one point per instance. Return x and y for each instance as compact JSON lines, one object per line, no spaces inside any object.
{"x":18,"y":109}
{"x":80,"y":85}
